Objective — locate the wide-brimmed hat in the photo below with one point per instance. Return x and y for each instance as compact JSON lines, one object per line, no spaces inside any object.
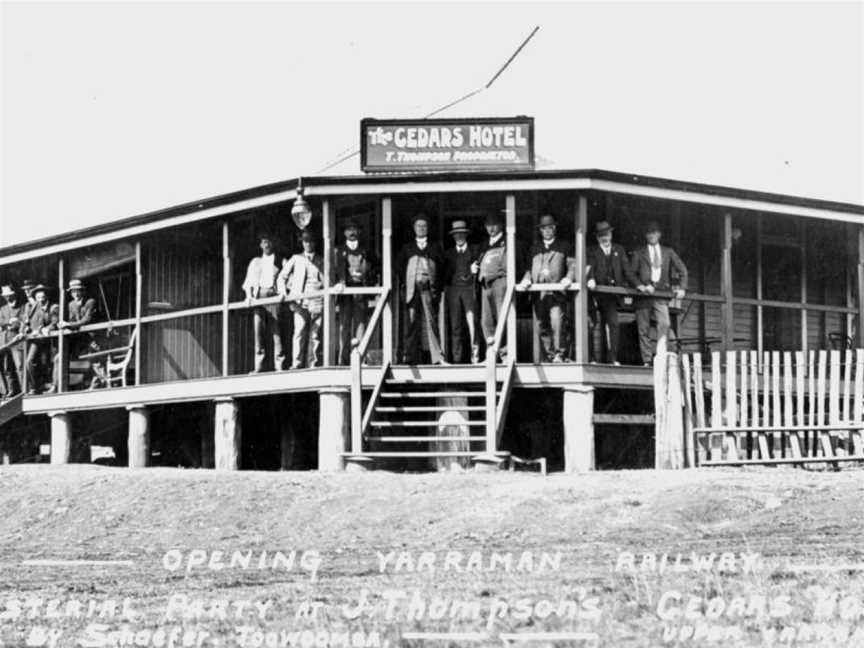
{"x":460,"y":227}
{"x":6,"y":291}
{"x":603,"y":227}
{"x":652,"y":226}
{"x":76,"y":284}
{"x":546,"y":220}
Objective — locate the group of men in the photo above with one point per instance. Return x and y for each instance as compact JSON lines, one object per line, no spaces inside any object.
{"x":29,"y":317}
{"x":471,"y":280}
{"x":298,"y":280}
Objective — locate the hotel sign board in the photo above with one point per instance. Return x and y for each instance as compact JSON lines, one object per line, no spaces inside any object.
{"x":483,"y":144}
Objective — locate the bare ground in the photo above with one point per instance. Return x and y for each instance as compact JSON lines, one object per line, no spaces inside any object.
{"x":805,"y":526}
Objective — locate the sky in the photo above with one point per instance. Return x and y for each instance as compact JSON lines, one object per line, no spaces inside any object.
{"x":109,"y":110}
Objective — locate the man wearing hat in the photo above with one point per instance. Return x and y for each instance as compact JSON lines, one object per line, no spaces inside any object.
{"x":304,"y":273}
{"x":42,"y":320}
{"x":11,"y":327}
{"x":81,"y":312}
{"x":491,"y":270}
{"x":551,"y":262}
{"x":420,"y":263}
{"x":355,"y":266}
{"x":607,"y":265}
{"x":268,"y":320}
{"x":460,"y":294}
{"x":652,"y":266}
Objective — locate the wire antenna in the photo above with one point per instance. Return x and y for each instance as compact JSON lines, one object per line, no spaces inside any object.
{"x":356,"y":151}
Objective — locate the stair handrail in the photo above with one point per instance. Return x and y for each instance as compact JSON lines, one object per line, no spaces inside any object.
{"x":358,"y":353}
{"x":373,"y":400}
{"x":492,"y":348}
{"x":506,"y":390}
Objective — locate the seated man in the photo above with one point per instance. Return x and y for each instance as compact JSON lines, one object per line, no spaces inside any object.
{"x":551,"y":262}
{"x":304,"y":273}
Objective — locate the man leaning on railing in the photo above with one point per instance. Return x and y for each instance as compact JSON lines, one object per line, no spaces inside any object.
{"x":11,"y":333}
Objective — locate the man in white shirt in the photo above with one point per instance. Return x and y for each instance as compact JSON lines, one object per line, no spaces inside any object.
{"x":260,"y":283}
{"x":303,"y":274}
{"x":653,"y":266}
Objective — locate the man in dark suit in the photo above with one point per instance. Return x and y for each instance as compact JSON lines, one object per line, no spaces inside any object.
{"x":607,"y":265}
{"x":11,"y":327}
{"x":420,"y":263}
{"x":460,"y":293}
{"x":652,"y":267}
{"x":491,"y":270}
{"x":355,"y":267}
{"x":551,"y":261}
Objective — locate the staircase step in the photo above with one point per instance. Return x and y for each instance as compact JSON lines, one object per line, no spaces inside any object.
{"x":422,"y":423}
{"x":424,"y":439}
{"x":431,"y":408}
{"x":434,"y":394}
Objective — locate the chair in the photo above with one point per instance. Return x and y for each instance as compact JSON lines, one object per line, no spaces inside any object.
{"x":117,"y":363}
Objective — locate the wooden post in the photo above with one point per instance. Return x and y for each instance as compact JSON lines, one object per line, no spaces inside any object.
{"x":760,"y":323}
{"x":510,"y":225}
{"x":60,"y":385}
{"x":139,"y":436}
{"x":329,"y":315}
{"x":387,"y":279}
{"x":581,"y":310}
{"x":61,"y":437}
{"x":226,"y":294}
{"x":668,"y":406}
{"x":334,"y":432}
{"x":860,"y":336}
{"x":802,"y":241}
{"x":138,"y":303}
{"x":227,"y":434}
{"x":579,"y":428}
{"x":726,"y":287}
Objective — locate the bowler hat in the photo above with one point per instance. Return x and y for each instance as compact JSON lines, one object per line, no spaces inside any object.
{"x":494,"y":217}
{"x":28,"y":284}
{"x":40,"y":287}
{"x":6,"y":291}
{"x":652,"y":226}
{"x":420,"y":216}
{"x":76,"y":284}
{"x":307,"y":235}
{"x":602,"y":227}
{"x":546,"y":220}
{"x":350,"y":224}
{"x":264,"y":235}
{"x":460,"y":226}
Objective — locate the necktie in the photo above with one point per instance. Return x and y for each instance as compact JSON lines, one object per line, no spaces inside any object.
{"x":655,"y":257}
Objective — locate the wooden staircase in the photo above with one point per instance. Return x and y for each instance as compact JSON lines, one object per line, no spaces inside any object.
{"x":410,"y":419}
